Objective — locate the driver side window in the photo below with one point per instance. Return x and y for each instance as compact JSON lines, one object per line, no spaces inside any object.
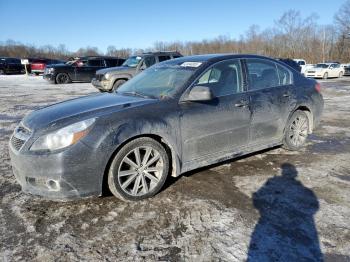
{"x":224,"y":78}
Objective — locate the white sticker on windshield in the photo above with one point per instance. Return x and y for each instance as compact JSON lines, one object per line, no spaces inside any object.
{"x":138,"y":57}
{"x":191,"y":64}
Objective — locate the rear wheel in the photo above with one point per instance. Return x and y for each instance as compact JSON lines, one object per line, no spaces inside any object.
{"x":296,"y":131}
{"x":138,"y":170}
{"x":117,"y":84}
{"x":340,"y":74}
{"x":325,"y":76}
{"x":62,"y":78}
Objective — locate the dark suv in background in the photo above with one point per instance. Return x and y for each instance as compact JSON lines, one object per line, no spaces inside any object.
{"x":9,"y":65}
{"x":81,"y":69}
{"x":110,"y":79}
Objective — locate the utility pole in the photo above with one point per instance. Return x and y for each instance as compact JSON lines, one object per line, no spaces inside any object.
{"x":324,"y":44}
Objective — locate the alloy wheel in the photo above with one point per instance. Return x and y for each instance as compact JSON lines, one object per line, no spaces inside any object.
{"x":140,"y":171}
{"x":298,"y":130}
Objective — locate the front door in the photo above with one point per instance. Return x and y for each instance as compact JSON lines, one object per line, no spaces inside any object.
{"x":212,"y":128}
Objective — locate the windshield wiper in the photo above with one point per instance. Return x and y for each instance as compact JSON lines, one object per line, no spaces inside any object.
{"x":134,"y":93}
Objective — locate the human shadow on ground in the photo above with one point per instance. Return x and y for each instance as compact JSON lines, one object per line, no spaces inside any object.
{"x":286,"y":229}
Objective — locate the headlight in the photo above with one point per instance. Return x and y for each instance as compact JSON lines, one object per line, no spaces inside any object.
{"x":63,"y":137}
{"x":50,"y":70}
{"x":106,"y":76}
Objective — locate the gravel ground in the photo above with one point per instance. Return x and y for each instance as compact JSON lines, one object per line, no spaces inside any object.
{"x":275,"y":205}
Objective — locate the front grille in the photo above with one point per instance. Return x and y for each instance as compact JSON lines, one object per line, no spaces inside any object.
{"x":19,"y":137}
{"x":17,"y":143}
{"x":99,"y":77}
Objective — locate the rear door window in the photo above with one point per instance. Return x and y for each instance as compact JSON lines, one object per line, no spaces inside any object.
{"x":262,"y":74}
{"x":284,"y":75}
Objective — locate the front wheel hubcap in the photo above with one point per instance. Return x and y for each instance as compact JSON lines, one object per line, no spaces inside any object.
{"x":140,"y":171}
{"x":298,"y":130}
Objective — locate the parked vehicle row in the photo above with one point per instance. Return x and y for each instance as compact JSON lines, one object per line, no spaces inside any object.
{"x":10,"y":65}
{"x":111,"y":78}
{"x":38,"y":66}
{"x":81,"y":69}
{"x":173,"y":117}
{"x":325,"y":70}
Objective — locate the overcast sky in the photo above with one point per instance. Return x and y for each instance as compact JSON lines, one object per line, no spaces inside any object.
{"x":138,"y":24}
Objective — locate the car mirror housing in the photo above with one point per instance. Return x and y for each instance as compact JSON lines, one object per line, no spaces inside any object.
{"x":199,"y":93}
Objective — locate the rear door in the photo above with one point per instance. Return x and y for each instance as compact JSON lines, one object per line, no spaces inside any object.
{"x":271,"y":92}
{"x":210,"y":129}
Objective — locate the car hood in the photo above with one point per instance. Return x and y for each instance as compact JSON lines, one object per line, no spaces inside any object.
{"x":318,"y":69}
{"x":71,"y":111}
{"x":59,"y":66}
{"x":116,"y":70}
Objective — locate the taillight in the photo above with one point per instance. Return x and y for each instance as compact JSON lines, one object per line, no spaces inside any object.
{"x":318,"y":87}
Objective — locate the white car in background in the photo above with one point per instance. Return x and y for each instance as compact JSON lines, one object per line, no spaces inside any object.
{"x":325,"y":70}
{"x":302,"y":64}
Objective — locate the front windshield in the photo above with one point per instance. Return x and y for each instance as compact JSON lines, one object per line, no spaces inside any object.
{"x":158,"y":82}
{"x":321,"y":66}
{"x":132,"y":61}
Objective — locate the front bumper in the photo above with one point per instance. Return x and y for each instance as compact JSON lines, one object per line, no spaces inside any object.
{"x":103,"y":86}
{"x":72,"y":173}
{"x":314,"y":75}
{"x":49,"y":77}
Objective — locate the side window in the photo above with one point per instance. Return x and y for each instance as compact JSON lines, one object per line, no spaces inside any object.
{"x":162,"y":58}
{"x":284,"y":75}
{"x":149,"y":61}
{"x":111,"y":62}
{"x":224,"y":78}
{"x":301,"y":63}
{"x":262,"y":74}
{"x":95,"y":63}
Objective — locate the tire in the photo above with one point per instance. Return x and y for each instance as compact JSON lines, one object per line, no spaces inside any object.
{"x":36,"y":74}
{"x":128,"y":172}
{"x":117,"y":84}
{"x":2,"y":72}
{"x":296,"y":131}
{"x":340,"y":74}
{"x":325,"y":76}
{"x":62,"y":78}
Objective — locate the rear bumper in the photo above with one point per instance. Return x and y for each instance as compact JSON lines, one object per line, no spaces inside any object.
{"x":40,"y":71}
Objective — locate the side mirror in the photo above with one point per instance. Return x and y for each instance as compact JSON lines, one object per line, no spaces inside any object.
{"x":200,"y":93}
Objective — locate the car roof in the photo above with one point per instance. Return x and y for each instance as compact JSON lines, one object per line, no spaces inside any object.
{"x":212,"y":58}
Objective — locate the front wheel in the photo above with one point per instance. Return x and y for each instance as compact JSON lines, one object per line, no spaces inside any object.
{"x":340,"y":74}
{"x":117,"y":84}
{"x":62,"y":78}
{"x":325,"y":76}
{"x":138,"y":170}
{"x":296,"y":131}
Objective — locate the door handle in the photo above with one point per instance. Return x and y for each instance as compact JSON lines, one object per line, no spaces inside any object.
{"x":241,"y":103}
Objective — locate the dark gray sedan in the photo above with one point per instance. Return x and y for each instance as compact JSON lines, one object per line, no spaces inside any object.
{"x":176,"y":116}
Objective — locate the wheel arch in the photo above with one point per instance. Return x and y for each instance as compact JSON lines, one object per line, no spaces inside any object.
{"x":306,"y":109}
{"x":169,"y":148}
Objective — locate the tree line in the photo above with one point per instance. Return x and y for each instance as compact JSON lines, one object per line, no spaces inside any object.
{"x":292,"y":36}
